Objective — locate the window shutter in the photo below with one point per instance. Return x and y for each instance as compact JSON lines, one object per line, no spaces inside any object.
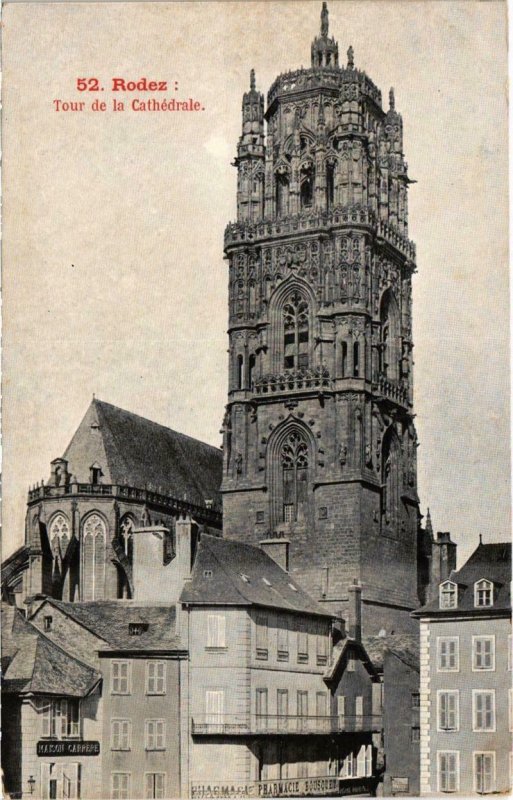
{"x":341,"y":706}
{"x":47,"y":715}
{"x":360,"y":762}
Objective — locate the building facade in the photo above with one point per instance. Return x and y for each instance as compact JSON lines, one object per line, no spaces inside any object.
{"x":282,"y":701}
{"x":319,"y":438}
{"x":466,"y":713}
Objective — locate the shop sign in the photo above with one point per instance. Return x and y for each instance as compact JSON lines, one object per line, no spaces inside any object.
{"x":293,"y":787}
{"x":69,"y":748}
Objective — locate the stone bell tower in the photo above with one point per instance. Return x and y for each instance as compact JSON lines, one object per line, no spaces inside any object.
{"x":319,"y":440}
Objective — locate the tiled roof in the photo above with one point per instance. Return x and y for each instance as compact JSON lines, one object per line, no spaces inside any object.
{"x":228,"y":572}
{"x":110,"y":620}
{"x":405,"y":646}
{"x":135,"y":451}
{"x":490,"y":561}
{"x":31,"y":663}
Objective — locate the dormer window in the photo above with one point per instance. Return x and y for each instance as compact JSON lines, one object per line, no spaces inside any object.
{"x":95,"y":474}
{"x":137,"y":628}
{"x":448,"y":595}
{"x":483,"y":593}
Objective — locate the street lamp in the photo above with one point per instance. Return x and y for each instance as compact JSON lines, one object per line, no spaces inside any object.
{"x":31,"y":782}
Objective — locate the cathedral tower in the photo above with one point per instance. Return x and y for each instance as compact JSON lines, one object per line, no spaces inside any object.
{"x":319,"y":440}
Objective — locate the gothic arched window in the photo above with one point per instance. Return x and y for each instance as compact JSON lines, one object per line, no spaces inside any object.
{"x":296,"y":332}
{"x":125,"y":534}
{"x":390,"y":480}
{"x":59,"y":535}
{"x":390,"y":337}
{"x":282,"y":194}
{"x":294,"y":464}
{"x":307,"y":180}
{"x":94,"y":536}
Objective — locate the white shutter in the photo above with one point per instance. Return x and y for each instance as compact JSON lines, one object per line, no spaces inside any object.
{"x":360,"y":762}
{"x":368,"y":761}
{"x":451,"y":654}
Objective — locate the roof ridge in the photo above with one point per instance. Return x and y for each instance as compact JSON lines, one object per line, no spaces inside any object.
{"x":158,"y":424}
{"x":57,"y":604}
{"x":46,"y":640}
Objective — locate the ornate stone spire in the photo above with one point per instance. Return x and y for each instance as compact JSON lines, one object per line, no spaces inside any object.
{"x":391,"y":99}
{"x":350,"y":58}
{"x":324,"y":48}
{"x":429,"y":524}
{"x":252,"y":80}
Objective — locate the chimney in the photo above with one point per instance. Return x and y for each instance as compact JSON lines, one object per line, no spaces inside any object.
{"x":447,"y":554}
{"x":355,"y":610}
{"x":158,"y":573}
{"x":338,"y":628}
{"x":278,"y":550}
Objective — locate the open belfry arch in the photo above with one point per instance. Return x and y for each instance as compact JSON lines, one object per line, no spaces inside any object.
{"x":319,"y":439}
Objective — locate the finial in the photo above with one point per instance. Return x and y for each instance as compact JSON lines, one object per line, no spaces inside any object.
{"x":480,"y":539}
{"x":252,"y":79}
{"x":350,"y":58}
{"x":429,"y":524}
{"x":94,"y":396}
{"x":391,"y":98}
{"x":325,"y":24}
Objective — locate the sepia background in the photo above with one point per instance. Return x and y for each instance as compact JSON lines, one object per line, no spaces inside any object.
{"x":113,"y":278}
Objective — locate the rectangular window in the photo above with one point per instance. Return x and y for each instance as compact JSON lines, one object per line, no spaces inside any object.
{"x":282,"y":705}
{"x":415,"y":734}
{"x":484,"y":772}
{"x":302,"y":644}
{"x":262,"y":637}
{"x":156,"y":677}
{"x":448,"y":595}
{"x":415,"y":699}
{"x":322,"y":649}
{"x":120,"y":734}
{"x":448,"y":710}
{"x":261,"y":708}
{"x":483,"y":653}
{"x":302,"y":704}
{"x":448,"y":771}
{"x":216,"y":630}
{"x":283,"y":639}
{"x":155,"y":734}
{"x":61,"y":719}
{"x":350,"y":664}
{"x":358,"y":712}
{"x":341,"y":711}
{"x":120,"y":785}
{"x":448,"y":653}
{"x":155,"y":785}
{"x":288,"y":512}
{"x":483,"y":711}
{"x":214,"y":707}
{"x":120,"y":678}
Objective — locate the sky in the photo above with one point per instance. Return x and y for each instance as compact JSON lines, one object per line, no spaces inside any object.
{"x":113,"y":275}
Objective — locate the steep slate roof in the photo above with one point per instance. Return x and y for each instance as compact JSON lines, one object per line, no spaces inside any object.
{"x":31,"y":663}
{"x":228,"y":561}
{"x":490,"y":561}
{"x":406,"y":646}
{"x":341,"y":652}
{"x":137,"y":452}
{"x":110,"y":620}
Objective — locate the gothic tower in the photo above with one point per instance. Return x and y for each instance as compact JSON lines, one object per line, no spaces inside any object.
{"x":319,"y":440}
